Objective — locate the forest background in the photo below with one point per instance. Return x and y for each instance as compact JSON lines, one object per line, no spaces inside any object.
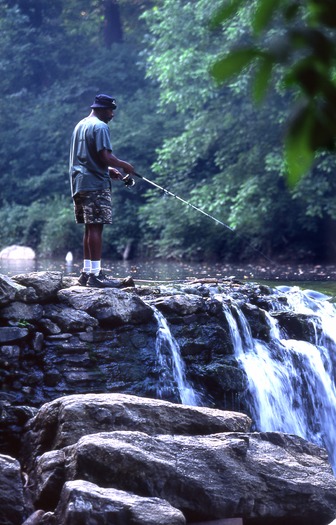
{"x":208,"y":143}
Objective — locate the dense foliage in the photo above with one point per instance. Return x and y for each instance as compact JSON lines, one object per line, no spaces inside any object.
{"x":304,"y":41}
{"x":207,"y":143}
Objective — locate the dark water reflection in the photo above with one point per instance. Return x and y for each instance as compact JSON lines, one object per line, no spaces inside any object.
{"x":321,"y":278}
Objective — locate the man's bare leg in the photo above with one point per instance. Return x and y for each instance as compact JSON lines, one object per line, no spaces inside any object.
{"x":93,"y":241}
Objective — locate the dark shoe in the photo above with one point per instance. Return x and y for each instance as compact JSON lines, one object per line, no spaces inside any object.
{"x":83,"y":278}
{"x":101,"y":281}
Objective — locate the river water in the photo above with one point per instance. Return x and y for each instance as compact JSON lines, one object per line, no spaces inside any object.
{"x":316,"y":277}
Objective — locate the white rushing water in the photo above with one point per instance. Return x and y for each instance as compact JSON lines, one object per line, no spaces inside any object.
{"x":171,"y":364}
{"x":291,"y":382}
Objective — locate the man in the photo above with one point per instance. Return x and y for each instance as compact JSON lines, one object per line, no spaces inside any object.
{"x":92,"y":166}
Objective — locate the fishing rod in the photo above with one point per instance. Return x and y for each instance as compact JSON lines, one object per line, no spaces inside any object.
{"x":130,"y":182}
{"x":184,"y":201}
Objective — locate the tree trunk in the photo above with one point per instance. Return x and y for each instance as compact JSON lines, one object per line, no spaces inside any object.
{"x":112,"y":28}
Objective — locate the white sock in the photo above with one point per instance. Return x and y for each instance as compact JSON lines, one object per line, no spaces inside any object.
{"x":95,"y":267}
{"x":87,"y":266}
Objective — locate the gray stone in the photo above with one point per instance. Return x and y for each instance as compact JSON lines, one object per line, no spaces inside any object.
{"x":48,"y":327}
{"x":17,"y":252}
{"x":38,"y":341}
{"x":48,"y":480}
{"x":36,"y":518}
{"x":8,"y":289}
{"x":63,"y":421}
{"x":181,"y":304}
{"x":11,"y":492}
{"x":110,"y":306}
{"x":273,"y":478}
{"x":84,"y":502}
{"x":69,"y":319}
{"x":9,"y":354}
{"x":46,"y":284}
{"x":19,"y":311}
{"x":9,"y":334}
{"x":266,"y":477}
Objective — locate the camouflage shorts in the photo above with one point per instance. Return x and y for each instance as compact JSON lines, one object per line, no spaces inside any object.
{"x":93,"y":207}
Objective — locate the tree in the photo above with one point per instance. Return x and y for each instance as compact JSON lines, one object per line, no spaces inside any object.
{"x":113,"y":31}
{"x":225,"y":155}
{"x":49,"y":78}
{"x":305,"y":51}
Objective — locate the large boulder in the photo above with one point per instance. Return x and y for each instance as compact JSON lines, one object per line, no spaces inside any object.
{"x":17,"y":252}
{"x":64,"y":421}
{"x":203,"y":462}
{"x":254,"y":476}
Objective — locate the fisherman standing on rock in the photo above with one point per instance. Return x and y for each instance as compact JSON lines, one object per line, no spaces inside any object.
{"x":91,"y":168}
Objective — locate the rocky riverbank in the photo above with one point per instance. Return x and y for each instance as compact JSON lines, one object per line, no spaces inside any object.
{"x":114,"y":458}
{"x":120,"y":449}
{"x":57,"y":339}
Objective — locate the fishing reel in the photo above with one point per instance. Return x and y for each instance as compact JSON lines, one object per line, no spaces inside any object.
{"x":128,"y":181}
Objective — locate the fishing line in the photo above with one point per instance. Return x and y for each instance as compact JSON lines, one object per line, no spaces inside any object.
{"x":164,"y":190}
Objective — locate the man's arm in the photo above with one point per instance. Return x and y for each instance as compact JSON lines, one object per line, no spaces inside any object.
{"x":109,"y":160}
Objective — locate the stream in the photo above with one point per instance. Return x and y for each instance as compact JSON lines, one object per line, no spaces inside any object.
{"x":317,"y":277}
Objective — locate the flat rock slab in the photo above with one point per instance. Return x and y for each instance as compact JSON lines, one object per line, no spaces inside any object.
{"x":267,"y":477}
{"x":64,"y":421}
{"x":254,"y":476}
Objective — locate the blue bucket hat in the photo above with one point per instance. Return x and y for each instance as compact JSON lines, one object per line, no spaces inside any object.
{"x":104,"y":101}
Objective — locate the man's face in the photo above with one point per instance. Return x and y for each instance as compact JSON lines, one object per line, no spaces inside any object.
{"x":105,"y":114}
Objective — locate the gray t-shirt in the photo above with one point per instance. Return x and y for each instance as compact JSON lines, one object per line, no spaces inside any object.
{"x":90,"y":136}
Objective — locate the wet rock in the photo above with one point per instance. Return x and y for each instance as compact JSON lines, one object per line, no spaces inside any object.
{"x":8,"y":289}
{"x":252,"y":476}
{"x":19,"y":311}
{"x":297,"y":326}
{"x":37,"y":518}
{"x":181,"y":304}
{"x":48,"y":327}
{"x":156,"y":449}
{"x":112,"y":307}
{"x":92,"y":340}
{"x":84,"y":502}
{"x":62,"y":422}
{"x":44,"y":284}
{"x":10,"y":334}
{"x":9,"y":354}
{"x":69,"y":319}
{"x":12,"y":503}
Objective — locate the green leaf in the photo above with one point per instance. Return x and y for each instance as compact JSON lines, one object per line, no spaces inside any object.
{"x":262,"y":78}
{"x":299,"y":153}
{"x":264,"y":13}
{"x":323,"y":12}
{"x":226,"y":11}
{"x":233,"y":63}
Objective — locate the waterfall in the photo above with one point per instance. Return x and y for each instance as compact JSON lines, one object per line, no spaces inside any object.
{"x":291,"y":384}
{"x":171,"y":365}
